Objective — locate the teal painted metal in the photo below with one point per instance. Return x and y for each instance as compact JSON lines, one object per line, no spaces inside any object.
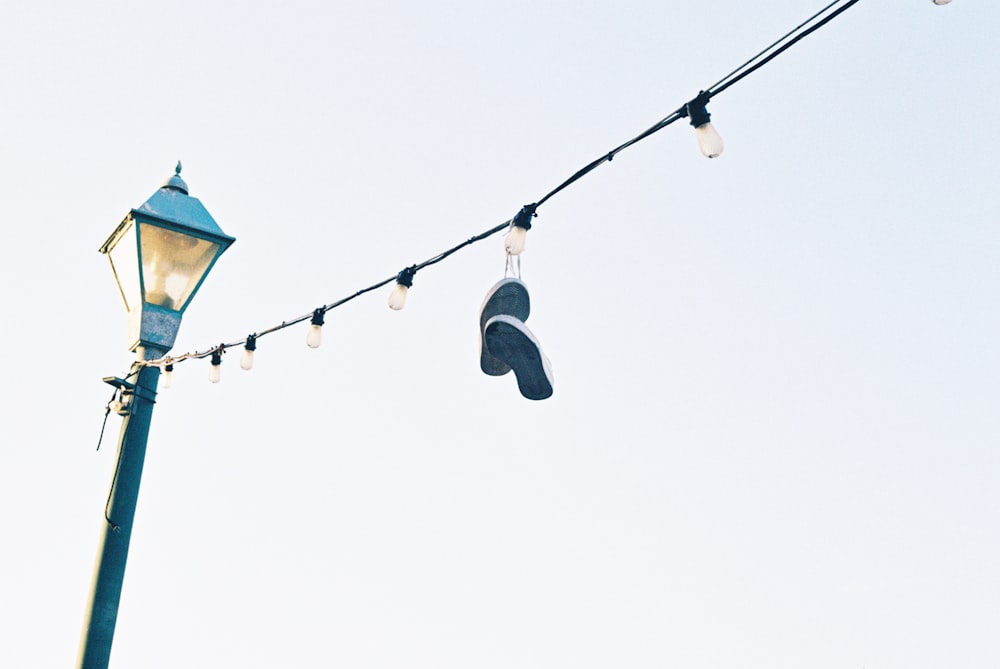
{"x":170,"y":208}
{"x":152,"y":330}
{"x":109,"y":573}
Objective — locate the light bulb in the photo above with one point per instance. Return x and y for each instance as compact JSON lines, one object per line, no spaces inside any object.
{"x":397,"y":298}
{"x":215,"y":369}
{"x":514,"y":242}
{"x":315,"y":336}
{"x":709,"y":140}
{"x":246,"y":362}
{"x":168,"y":376}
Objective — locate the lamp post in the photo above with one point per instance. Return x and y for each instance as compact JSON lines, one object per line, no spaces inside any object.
{"x":160,"y":255}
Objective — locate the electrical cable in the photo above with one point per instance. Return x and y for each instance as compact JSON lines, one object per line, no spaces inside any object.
{"x":785,"y":47}
{"x":114,"y":479}
{"x":107,"y":412}
{"x":775,"y":43}
{"x":752,"y":65}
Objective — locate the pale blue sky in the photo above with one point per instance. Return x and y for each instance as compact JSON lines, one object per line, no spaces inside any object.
{"x":773,"y":438}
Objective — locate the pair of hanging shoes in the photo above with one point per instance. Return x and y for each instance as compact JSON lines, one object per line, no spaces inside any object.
{"x":507,"y":344}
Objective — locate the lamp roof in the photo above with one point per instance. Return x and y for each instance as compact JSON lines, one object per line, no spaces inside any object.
{"x":172,"y":204}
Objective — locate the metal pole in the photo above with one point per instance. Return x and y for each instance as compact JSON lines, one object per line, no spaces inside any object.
{"x":99,"y":625}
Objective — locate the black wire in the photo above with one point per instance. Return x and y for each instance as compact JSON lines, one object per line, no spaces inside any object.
{"x":197,"y":355}
{"x":774,"y":44}
{"x":733,"y":77}
{"x":784,"y":48}
{"x":114,"y":479}
{"x":107,"y":412}
{"x":133,"y":372}
{"x":609,"y":156}
{"x":471,"y":240}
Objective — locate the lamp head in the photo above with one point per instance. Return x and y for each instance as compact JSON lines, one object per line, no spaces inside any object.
{"x":160,"y":255}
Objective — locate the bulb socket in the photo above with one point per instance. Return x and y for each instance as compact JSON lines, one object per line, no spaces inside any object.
{"x":217,"y":356}
{"x":697,"y":111}
{"x":251,"y":344}
{"x":405,"y":276}
{"x":317,"y":317}
{"x":699,"y":116}
{"x":522,"y":219}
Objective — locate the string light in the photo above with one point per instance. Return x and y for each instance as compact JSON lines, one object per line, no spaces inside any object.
{"x":517,"y":227}
{"x":246,"y":362}
{"x":168,"y":374}
{"x":397,"y":298}
{"x":215,"y":369}
{"x":315,"y":336}
{"x":709,"y":140}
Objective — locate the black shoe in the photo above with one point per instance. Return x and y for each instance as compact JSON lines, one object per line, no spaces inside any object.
{"x":509,"y":296}
{"x":512,"y":343}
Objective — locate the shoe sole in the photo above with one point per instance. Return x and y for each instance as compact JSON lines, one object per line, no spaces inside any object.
{"x":510,"y":297}
{"x":512,"y":343}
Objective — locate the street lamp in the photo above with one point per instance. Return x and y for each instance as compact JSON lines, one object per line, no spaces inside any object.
{"x":160,"y":255}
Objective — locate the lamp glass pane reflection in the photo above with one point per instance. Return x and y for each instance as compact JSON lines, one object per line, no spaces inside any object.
{"x":124,"y":256}
{"x":173,"y":264}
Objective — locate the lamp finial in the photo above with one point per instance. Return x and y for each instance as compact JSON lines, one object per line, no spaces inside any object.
{"x":176,"y":182}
